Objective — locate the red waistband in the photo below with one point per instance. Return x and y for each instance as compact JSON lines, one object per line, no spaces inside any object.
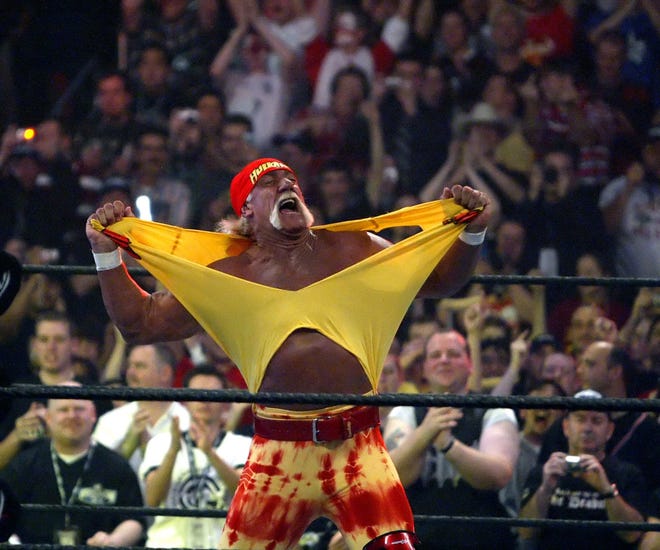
{"x":322,"y":428}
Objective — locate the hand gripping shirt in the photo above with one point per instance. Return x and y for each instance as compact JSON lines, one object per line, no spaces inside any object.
{"x":359,"y":308}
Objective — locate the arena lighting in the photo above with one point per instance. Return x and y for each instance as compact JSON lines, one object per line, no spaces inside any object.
{"x":143,"y":205}
{"x":26,"y":134}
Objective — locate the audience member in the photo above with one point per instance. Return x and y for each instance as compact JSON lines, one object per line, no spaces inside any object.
{"x":69,"y":468}
{"x":417,"y":134}
{"x":634,"y":334}
{"x":561,"y":369}
{"x":590,"y":265}
{"x":51,"y":354}
{"x":585,"y":483}
{"x":197,"y":468}
{"x":549,"y":28}
{"x":154,"y":97}
{"x":472,"y":159}
{"x":253,"y":69}
{"x":347,"y":49}
{"x":110,"y":124}
{"x":465,"y":67}
{"x":513,"y":151}
{"x":608,"y":82}
{"x":128,"y":429}
{"x":506,"y":254}
{"x":341,"y":131}
{"x":507,"y":35}
{"x":581,"y":331}
{"x":189,"y":31}
{"x":629,"y":206}
{"x":636,"y":436}
{"x":340,"y":197}
{"x":639,"y":23}
{"x":39,"y":195}
{"x":454,"y":461}
{"x":38,"y":293}
{"x":558,"y":207}
{"x":157,"y":195}
{"x":535,"y":424}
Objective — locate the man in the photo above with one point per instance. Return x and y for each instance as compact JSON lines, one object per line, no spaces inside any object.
{"x":536,"y":423}
{"x":169,"y":198}
{"x":586,"y":484}
{"x":283,"y":305}
{"x":628,"y":206}
{"x":128,"y":429}
{"x":52,"y":352}
{"x":454,"y":461}
{"x":636,"y":436}
{"x":69,"y":468}
{"x":194,"y":469}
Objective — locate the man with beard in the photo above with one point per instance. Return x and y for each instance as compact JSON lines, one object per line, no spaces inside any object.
{"x":298,"y":309}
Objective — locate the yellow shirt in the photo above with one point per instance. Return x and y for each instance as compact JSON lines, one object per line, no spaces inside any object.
{"x":359,"y":308}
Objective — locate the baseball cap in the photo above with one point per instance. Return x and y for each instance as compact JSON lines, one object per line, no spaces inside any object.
{"x":591,"y":394}
{"x":588,"y":394}
{"x":246,"y":179}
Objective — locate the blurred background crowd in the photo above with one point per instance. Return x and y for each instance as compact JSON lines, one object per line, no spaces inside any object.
{"x":552,"y":107}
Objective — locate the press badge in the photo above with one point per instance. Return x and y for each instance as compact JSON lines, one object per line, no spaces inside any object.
{"x":68,"y":537}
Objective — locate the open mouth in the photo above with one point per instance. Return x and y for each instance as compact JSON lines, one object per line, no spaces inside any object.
{"x":288,"y":205}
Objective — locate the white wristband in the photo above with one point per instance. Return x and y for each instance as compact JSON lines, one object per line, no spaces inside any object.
{"x":107,"y":260}
{"x":473,"y":239}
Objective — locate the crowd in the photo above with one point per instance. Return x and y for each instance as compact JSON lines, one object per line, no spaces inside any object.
{"x":551,"y":107}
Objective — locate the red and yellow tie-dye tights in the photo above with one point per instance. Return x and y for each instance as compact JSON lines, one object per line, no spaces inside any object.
{"x":287,"y":484}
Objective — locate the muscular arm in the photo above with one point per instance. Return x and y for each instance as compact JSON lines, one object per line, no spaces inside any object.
{"x":457,"y":266}
{"x":140,"y":317}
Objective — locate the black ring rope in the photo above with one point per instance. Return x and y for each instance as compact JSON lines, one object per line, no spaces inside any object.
{"x":502,"y":279}
{"x":385,"y":399}
{"x":211,"y":513}
{"x":489,"y":401}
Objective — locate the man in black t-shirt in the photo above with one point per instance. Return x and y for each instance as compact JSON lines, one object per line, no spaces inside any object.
{"x":69,"y":468}
{"x":584,"y":484}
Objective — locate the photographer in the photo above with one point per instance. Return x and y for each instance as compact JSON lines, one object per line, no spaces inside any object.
{"x":559,"y":208}
{"x":584,"y":484}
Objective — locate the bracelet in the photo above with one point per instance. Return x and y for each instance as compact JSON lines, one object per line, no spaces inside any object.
{"x":473,"y":239}
{"x":107,"y":260}
{"x":448,"y":446}
{"x":612,"y":493}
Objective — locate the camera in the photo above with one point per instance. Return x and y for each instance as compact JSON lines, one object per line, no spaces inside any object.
{"x":573,"y":464}
{"x":25,"y":134}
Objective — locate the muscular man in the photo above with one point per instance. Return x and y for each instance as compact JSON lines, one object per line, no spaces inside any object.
{"x":299,"y":309}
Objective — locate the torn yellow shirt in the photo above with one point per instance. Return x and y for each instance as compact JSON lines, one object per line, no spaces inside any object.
{"x":360,"y":307}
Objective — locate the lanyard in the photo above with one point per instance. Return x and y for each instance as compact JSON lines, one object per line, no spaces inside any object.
{"x":193,"y":465}
{"x":60,"y":481}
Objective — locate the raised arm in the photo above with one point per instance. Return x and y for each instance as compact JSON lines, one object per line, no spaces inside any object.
{"x":140,"y":317}
{"x":457,"y":266}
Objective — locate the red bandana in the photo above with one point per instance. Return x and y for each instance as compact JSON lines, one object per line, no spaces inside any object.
{"x":246,"y":179}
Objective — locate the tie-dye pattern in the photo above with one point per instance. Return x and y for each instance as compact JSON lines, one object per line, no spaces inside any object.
{"x":287,"y":484}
